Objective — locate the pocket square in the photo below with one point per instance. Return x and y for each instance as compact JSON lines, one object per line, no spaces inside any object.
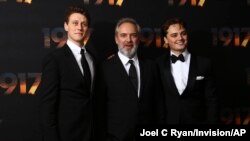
{"x":199,"y":77}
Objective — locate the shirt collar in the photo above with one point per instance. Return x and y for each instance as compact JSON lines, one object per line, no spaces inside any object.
{"x":185,"y":54}
{"x":125,"y":59}
{"x":75,"y":48}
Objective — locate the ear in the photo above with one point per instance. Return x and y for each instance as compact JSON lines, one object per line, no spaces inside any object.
{"x":116,"y":40}
{"x":165,"y":40}
{"x":66,"y":28}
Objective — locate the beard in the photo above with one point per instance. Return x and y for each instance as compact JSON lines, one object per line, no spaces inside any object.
{"x":130,"y":53}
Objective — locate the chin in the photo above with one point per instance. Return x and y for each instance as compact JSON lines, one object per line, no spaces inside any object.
{"x":181,"y":48}
{"x":79,"y":40}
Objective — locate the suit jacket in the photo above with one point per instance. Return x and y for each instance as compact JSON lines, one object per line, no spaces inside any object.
{"x":121,"y":109}
{"x":65,"y":101}
{"x":198,"y":103}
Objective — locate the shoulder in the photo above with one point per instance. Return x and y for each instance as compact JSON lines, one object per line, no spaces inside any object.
{"x":146,"y":61}
{"x":110,"y":60}
{"x":202,"y":59}
{"x":202,"y":62}
{"x":56,"y":54}
{"x":111,"y":57}
{"x":162,"y":59}
{"x":163,"y":56}
{"x":58,"y":51}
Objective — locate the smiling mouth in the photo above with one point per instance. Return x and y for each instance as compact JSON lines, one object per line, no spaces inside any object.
{"x":180,"y":43}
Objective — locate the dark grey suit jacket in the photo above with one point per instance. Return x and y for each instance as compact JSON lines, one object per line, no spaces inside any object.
{"x":65,"y":101}
{"x":120,"y":109}
{"x":198,"y":104}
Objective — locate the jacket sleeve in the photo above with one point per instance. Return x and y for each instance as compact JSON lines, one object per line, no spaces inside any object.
{"x":48,"y":99}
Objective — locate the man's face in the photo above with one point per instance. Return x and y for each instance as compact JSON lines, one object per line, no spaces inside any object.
{"x":127,"y":39}
{"x":76,"y":27}
{"x":176,"y":38}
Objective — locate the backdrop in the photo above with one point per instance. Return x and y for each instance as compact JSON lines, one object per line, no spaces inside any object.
{"x":29,"y":29}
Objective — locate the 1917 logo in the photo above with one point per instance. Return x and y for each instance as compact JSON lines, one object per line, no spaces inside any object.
{"x":184,"y":2}
{"x":110,"y":2}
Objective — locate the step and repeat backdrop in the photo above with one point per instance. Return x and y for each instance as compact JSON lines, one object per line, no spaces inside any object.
{"x":29,"y":29}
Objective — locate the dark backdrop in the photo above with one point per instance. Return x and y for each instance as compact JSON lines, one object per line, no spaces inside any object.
{"x":219,"y":29}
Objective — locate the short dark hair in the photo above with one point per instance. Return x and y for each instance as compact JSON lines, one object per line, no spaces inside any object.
{"x":170,"y":22}
{"x":76,"y":9}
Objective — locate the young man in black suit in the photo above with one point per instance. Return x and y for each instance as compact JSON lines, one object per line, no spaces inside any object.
{"x":187,"y":80}
{"x":127,"y":87}
{"x":67,"y":84}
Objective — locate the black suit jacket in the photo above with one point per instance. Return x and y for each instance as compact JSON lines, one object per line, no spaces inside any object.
{"x":65,"y":101}
{"x":198,"y":104}
{"x":120,"y":109}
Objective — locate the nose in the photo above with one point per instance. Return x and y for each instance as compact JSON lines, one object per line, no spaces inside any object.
{"x":129,"y":38}
{"x":180,"y":37}
{"x":79,"y":26}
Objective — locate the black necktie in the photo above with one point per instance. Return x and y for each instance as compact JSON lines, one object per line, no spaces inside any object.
{"x":175,"y":58}
{"x":133,"y":75}
{"x":86,"y":70}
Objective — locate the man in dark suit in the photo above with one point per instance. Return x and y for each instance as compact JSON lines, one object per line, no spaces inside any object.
{"x":187,"y":80}
{"x":127,"y":87}
{"x":67,"y":84}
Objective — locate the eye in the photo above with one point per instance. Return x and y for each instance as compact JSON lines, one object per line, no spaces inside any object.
{"x":123,"y":35}
{"x":75,"y":23}
{"x":173,"y":35}
{"x":84,"y":24}
{"x":134,"y":35}
{"x":184,"y":33}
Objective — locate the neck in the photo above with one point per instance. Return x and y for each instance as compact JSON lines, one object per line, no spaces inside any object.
{"x":177,"y":52}
{"x":80,"y":44}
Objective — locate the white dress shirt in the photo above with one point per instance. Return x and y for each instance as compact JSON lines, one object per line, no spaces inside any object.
{"x":76,"y":50}
{"x":180,"y":71}
{"x":126,"y":65}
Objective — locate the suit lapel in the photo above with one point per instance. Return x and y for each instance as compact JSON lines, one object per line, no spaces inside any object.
{"x":192,"y":74}
{"x":71,"y":61}
{"x":168,"y":75}
{"x":94,"y":63}
{"x":123,"y":72}
{"x":142,"y":77}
